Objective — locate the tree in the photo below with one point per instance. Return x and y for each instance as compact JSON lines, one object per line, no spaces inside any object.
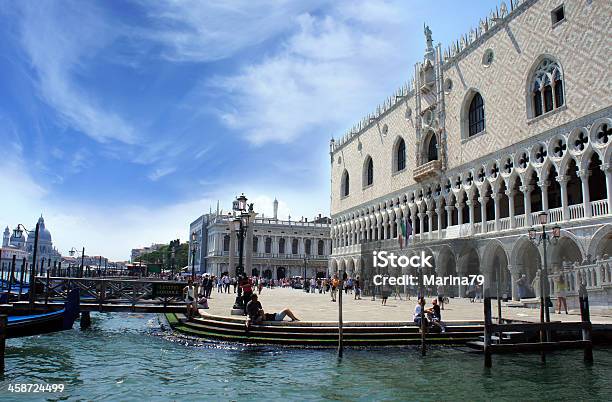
{"x":163,"y":256}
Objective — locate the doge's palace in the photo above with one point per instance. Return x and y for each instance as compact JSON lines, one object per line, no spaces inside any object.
{"x":511,"y":120}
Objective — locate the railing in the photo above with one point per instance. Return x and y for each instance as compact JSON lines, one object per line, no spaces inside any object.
{"x":595,"y":276}
{"x":109,"y":291}
{"x":504,"y":224}
{"x":599,"y":208}
{"x":519,"y":221}
{"x":555,"y":215}
{"x":490,"y":226}
{"x":477,"y":227}
{"x":576,"y":211}
{"x":534,"y":219}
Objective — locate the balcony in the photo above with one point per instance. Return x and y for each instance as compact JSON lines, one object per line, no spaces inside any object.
{"x":427,"y":170}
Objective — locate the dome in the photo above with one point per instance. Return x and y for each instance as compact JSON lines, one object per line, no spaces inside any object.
{"x":43,"y":233}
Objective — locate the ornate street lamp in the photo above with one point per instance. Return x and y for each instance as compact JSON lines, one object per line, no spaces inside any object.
{"x":545,"y":240}
{"x":18,"y":234}
{"x":194,"y":248}
{"x":240,"y":224}
{"x":73,"y":252}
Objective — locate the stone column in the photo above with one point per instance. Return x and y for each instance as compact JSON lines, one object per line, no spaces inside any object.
{"x":564,"y":201}
{"x":514,"y":277}
{"x":527,"y":201}
{"x":459,"y":207}
{"x":232,"y":252}
{"x":439,"y":210}
{"x":429,"y":222}
{"x":510,"y":195}
{"x":544,"y":189}
{"x":470,"y":203}
{"x":483,"y":213}
{"x":586,"y":197}
{"x":248,"y":248}
{"x":496,"y":205}
{"x":607,"y":168}
{"x":412,"y":219}
{"x":421,"y":223}
{"x":449,"y":215}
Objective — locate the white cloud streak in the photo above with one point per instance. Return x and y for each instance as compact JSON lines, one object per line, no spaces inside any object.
{"x":332,"y":69}
{"x":57,"y":39}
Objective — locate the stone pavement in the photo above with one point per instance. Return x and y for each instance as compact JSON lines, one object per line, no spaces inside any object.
{"x":319,"y":307}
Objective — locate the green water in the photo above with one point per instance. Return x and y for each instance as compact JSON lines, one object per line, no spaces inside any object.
{"x":126,"y":357}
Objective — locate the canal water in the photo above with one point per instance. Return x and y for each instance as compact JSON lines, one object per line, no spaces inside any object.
{"x":130,"y":357}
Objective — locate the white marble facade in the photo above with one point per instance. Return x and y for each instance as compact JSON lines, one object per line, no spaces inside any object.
{"x":513,"y":119}
{"x":273,"y":248}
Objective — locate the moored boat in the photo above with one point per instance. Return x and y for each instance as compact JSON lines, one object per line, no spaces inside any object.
{"x":28,"y":323}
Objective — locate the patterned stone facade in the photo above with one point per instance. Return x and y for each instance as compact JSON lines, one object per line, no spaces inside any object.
{"x":470,"y":188}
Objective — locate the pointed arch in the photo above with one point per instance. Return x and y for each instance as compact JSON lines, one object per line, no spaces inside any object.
{"x":368,"y":171}
{"x":399,"y":155}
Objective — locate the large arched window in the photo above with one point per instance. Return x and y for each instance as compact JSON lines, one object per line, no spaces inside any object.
{"x":368,"y":172}
{"x":281,"y":246}
{"x":432,"y":148}
{"x":308,"y":246}
{"x":320,"y":247}
{"x":268,"y":245}
{"x":255,"y":244}
{"x":344,"y":190}
{"x":399,"y":156}
{"x":294,"y":246}
{"x":546,"y":87}
{"x":476,"y":115}
{"x":226,"y":243}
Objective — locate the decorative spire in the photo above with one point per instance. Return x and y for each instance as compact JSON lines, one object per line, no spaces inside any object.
{"x":428,"y":39}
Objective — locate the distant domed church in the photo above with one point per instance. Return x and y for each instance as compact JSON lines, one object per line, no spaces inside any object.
{"x":45,"y":244}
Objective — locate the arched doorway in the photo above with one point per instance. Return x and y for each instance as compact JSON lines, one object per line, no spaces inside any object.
{"x":527,"y":261}
{"x":446,"y":267}
{"x":267,"y":274}
{"x":497,"y":275}
{"x":280,"y":273}
{"x":255,"y":272}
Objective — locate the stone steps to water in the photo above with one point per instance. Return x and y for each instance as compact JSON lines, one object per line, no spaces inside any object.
{"x":315,"y":334}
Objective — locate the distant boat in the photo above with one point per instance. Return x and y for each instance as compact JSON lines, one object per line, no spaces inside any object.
{"x":27,"y":323}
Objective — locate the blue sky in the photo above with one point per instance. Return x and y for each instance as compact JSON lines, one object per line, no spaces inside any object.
{"x":122,"y":121}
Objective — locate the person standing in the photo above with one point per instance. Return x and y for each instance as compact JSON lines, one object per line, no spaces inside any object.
{"x":561,"y":294}
{"x":335,"y":282}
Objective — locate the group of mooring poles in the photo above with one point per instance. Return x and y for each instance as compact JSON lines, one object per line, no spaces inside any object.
{"x":543,"y":328}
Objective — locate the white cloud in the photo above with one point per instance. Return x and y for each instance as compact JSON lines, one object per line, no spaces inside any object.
{"x":161,"y":172}
{"x":329,"y":72}
{"x":58,"y":38}
{"x":193,"y":30}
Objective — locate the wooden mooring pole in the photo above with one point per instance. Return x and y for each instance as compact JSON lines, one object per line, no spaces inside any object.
{"x":487,"y":330}
{"x":340,"y":334}
{"x":585,"y":317}
{"x":3,"y":327}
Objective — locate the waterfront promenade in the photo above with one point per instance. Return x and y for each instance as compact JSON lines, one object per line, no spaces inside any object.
{"x":318,"y":307}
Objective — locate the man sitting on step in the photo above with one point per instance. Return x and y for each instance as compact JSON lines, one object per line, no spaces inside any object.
{"x":256,"y":314}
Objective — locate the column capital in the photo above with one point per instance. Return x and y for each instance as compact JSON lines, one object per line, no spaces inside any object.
{"x":459,"y":205}
{"x":563,"y":179}
{"x":469,"y":203}
{"x":607,"y":167}
{"x":527,"y":188}
{"x":510,"y":193}
{"x":449,"y":208}
{"x":483,"y":200}
{"x":422,"y":215}
{"x":544,"y":183}
{"x":429,"y":213}
{"x":584,"y":173}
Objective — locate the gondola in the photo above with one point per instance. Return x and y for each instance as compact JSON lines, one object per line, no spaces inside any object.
{"x":28,"y":323}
